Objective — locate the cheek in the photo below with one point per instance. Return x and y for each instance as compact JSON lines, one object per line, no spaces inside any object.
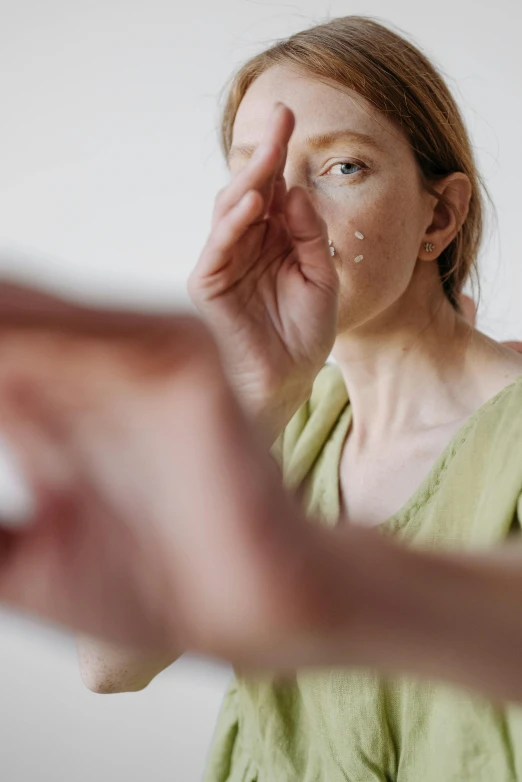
{"x":389,"y":248}
{"x":386,"y":212}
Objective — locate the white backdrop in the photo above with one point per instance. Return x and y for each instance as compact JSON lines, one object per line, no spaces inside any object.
{"x":109,"y":163}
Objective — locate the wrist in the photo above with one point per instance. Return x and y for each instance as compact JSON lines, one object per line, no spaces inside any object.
{"x":270,"y":405}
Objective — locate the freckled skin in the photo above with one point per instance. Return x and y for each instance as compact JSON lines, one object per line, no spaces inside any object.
{"x":409,"y":359}
{"x":386,"y":202}
{"x":378,"y":192}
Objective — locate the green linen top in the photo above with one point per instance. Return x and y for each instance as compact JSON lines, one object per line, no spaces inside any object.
{"x":341,"y":725}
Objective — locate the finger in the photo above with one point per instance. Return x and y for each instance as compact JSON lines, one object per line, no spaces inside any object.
{"x":308,"y":230}
{"x":38,"y":436}
{"x":44,"y":475}
{"x":278,"y":200}
{"x":278,"y":130}
{"x":265,"y":164}
{"x":17,"y":503}
{"x":216,"y":253}
{"x":276,"y":203}
{"x":24,"y":307}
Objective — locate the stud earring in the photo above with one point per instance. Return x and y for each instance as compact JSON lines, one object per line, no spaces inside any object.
{"x":429,"y":247}
{"x":332,"y":248}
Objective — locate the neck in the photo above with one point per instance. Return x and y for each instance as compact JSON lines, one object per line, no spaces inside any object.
{"x":409,"y":368}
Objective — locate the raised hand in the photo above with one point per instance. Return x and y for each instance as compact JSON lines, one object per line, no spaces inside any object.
{"x":265,"y":281}
{"x":159,"y":521}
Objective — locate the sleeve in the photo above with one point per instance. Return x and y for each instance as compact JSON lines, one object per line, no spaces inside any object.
{"x":298,"y":446}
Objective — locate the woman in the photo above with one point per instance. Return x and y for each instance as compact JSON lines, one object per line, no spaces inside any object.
{"x":364,"y":178}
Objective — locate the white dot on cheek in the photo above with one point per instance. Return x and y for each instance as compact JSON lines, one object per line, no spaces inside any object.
{"x":359,"y":235}
{"x":359,"y":258}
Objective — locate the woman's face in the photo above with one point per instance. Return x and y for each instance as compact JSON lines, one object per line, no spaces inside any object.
{"x":362,"y":176}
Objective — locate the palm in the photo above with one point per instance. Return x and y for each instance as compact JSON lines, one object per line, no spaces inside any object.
{"x":265,"y":281}
{"x":267,"y":309}
{"x":78,"y":568}
{"x":88,"y":556}
{"x":126,"y":543}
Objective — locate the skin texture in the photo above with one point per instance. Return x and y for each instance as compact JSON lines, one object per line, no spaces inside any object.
{"x":385,"y":202}
{"x":414,"y":368}
{"x":108,"y":668}
{"x":266,"y":284}
{"x":278,"y":303}
{"x":125,"y":542}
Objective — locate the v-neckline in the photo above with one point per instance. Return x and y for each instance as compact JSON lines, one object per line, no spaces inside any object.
{"x":431,"y":481}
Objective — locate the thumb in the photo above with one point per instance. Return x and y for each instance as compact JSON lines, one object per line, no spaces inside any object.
{"x":308,"y":231}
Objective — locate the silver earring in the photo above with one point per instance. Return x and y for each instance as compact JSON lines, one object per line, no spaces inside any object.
{"x":332,"y":248}
{"x":429,"y":247}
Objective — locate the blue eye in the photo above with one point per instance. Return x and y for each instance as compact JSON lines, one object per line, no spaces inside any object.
{"x":347,"y":168}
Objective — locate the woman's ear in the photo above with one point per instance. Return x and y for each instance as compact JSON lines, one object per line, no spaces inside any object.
{"x":449,"y":213}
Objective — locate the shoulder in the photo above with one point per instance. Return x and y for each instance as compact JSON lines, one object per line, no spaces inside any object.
{"x":506,"y":403}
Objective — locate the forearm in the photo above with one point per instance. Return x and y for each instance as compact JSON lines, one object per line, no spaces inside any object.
{"x":451,"y":617}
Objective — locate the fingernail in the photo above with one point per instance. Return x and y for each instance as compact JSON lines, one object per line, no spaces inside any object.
{"x":17,"y":504}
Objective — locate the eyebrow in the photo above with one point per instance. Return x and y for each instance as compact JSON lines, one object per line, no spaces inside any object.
{"x":317,"y":143}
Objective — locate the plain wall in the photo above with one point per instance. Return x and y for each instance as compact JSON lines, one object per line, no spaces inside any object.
{"x":109,"y":164}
